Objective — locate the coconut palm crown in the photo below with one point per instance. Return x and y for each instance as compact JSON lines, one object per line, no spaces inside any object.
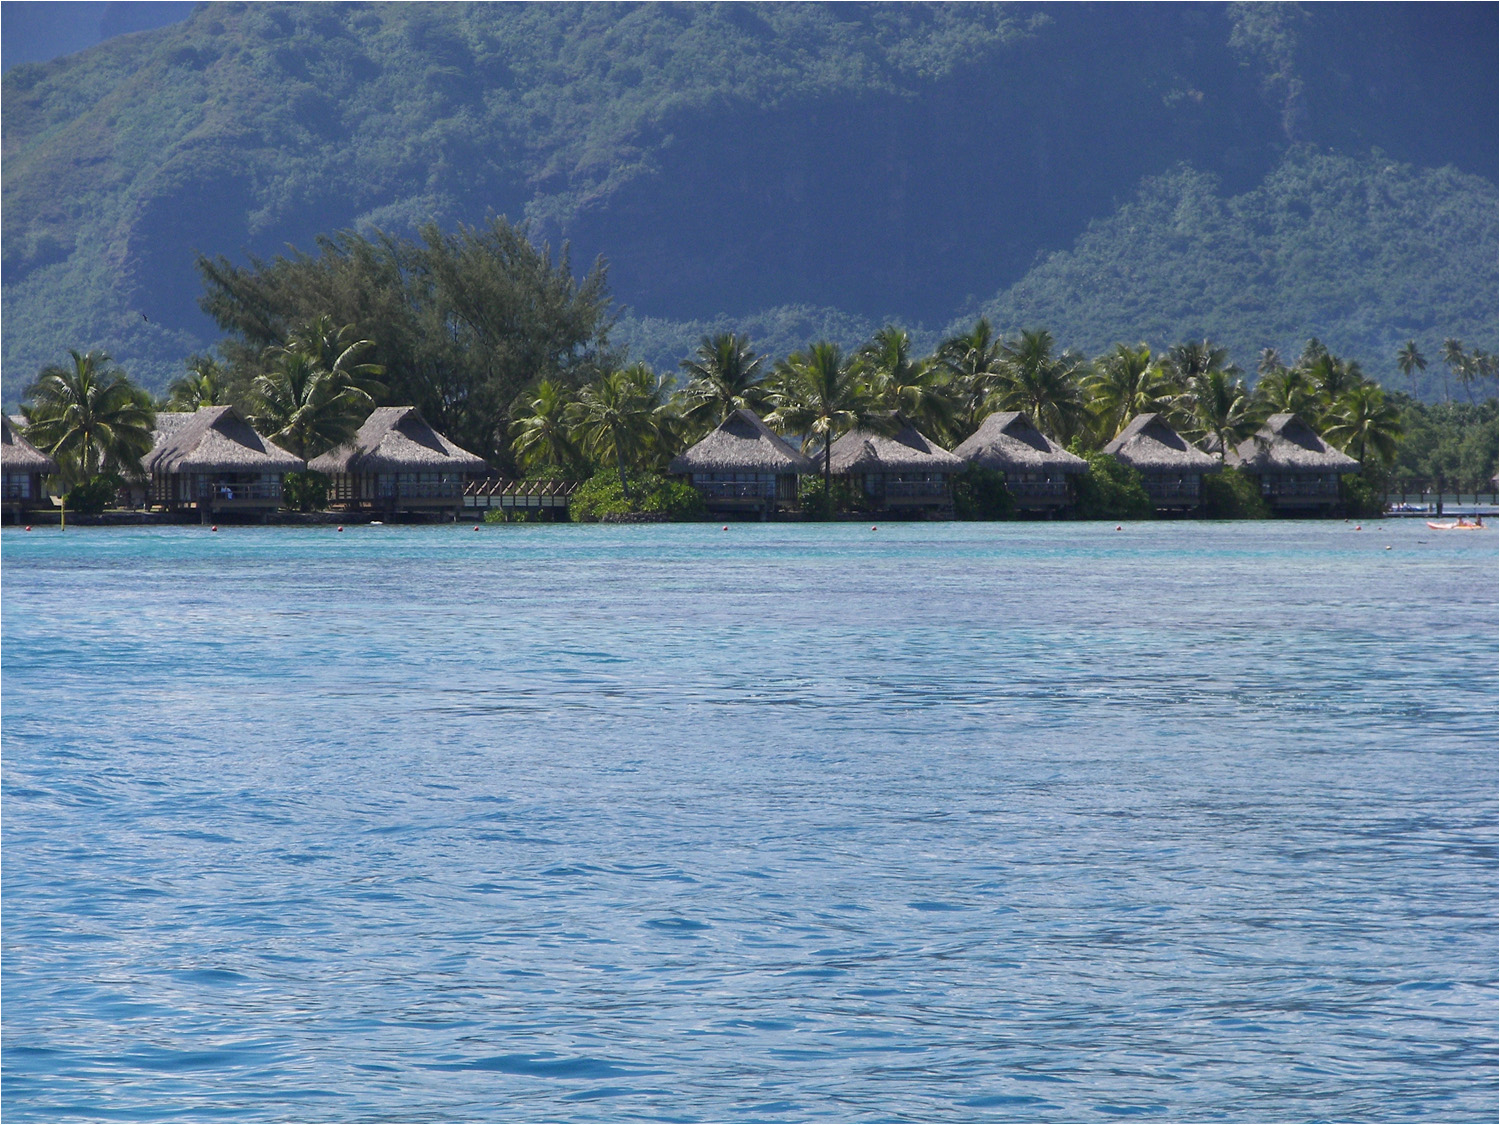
{"x":89,"y":417}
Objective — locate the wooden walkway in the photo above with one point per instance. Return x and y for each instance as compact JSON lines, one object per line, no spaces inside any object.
{"x":497,"y":492}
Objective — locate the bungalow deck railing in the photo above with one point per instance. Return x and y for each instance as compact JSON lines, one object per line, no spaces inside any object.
{"x":1037,"y":489}
{"x":916,"y":490}
{"x":736,"y":490}
{"x":1173,"y":493}
{"x":500,"y":492}
{"x":420,"y":490}
{"x":251,"y":490}
{"x":1270,"y":486}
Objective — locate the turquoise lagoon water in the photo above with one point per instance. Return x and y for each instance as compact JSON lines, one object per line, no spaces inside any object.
{"x":1021,"y":822}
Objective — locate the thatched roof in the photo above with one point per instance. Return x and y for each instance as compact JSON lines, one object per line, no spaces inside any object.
{"x":19,"y":455}
{"x":1008,"y":442}
{"x":1150,"y":445}
{"x":215,"y":439}
{"x":397,"y":439}
{"x":742,"y":443}
{"x":1287,"y":444}
{"x":864,"y":451}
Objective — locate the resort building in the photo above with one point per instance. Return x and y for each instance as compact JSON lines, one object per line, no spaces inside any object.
{"x":397,"y":463}
{"x":742,"y":466}
{"x":906,"y":472}
{"x":1171,"y":467}
{"x":213,"y":461}
{"x":1298,"y":471}
{"x":22,"y":465}
{"x":1036,"y":468}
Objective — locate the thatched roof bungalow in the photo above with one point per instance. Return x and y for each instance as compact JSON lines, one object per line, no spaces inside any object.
{"x":1298,"y":471}
{"x":1171,"y":467}
{"x":22,"y":465}
{"x":904,"y":470}
{"x":397,"y":462}
{"x":213,"y":460}
{"x":743,"y":466}
{"x":1036,"y":468}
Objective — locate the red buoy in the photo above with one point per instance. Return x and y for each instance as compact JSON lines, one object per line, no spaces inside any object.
{"x":341,"y":527}
{"x":726,"y":527}
{"x":1119,"y":528}
{"x":874,"y":528}
{"x":214,"y":528}
{"x":476,"y":527}
{"x":28,"y":527}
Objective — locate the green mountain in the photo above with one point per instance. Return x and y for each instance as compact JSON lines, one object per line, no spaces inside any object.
{"x":780,"y":165}
{"x":1363,"y":254}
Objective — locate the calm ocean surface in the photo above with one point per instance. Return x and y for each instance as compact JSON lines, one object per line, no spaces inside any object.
{"x":949,"y":821}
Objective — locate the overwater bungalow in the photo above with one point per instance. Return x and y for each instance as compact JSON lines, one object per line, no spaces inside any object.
{"x":906,"y":471}
{"x":1298,"y":471}
{"x":22,"y":466}
{"x":397,"y":463}
{"x":213,"y":461}
{"x":1171,"y":467}
{"x":742,"y":466}
{"x":1036,"y":468}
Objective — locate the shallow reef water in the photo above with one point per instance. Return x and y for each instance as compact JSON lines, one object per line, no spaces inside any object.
{"x":1031,"y":822}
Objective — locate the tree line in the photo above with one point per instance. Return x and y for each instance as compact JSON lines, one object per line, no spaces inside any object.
{"x":503,"y":349}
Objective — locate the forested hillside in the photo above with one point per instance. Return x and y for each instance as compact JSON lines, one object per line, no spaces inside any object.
{"x":775,"y":165}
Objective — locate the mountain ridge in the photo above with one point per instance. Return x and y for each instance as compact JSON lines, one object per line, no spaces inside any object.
{"x":739,"y":159}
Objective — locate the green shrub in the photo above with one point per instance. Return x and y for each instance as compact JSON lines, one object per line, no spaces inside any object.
{"x":1231,"y":494}
{"x":305,"y":491}
{"x":811,"y":497}
{"x":93,"y":496}
{"x":601,"y":495}
{"x":1111,"y":491}
{"x":1362,"y":494}
{"x":980,"y":494}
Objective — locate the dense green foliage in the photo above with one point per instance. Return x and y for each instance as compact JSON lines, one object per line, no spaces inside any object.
{"x":305,"y":491}
{"x":1445,"y":446}
{"x":604,"y":495}
{"x":1110,"y":491}
{"x":89,"y":417}
{"x":980,"y":494}
{"x":457,"y":324}
{"x":660,"y":134}
{"x":1231,"y":495}
{"x":1363,"y":254}
{"x":92,"y":496}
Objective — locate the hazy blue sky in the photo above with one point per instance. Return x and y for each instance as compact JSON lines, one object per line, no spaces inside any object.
{"x":38,"y":30}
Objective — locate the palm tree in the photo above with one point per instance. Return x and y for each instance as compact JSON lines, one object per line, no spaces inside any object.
{"x":667,"y":424}
{"x":337,"y":350}
{"x":1455,"y":359}
{"x":900,"y":385}
{"x":823,"y":395}
{"x":613,"y":420}
{"x":1220,"y":408}
{"x":1485,"y":366}
{"x":544,"y":436}
{"x":1197,"y":357}
{"x":203,"y":385}
{"x":89,"y":417}
{"x":307,"y":408}
{"x":1126,"y":382}
{"x":1288,"y":391}
{"x":1365,"y":425}
{"x":972,"y":361}
{"x":1408,"y":359}
{"x":1270,"y":362}
{"x":724,"y":375}
{"x":1331,"y":376}
{"x":1042,"y":385}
